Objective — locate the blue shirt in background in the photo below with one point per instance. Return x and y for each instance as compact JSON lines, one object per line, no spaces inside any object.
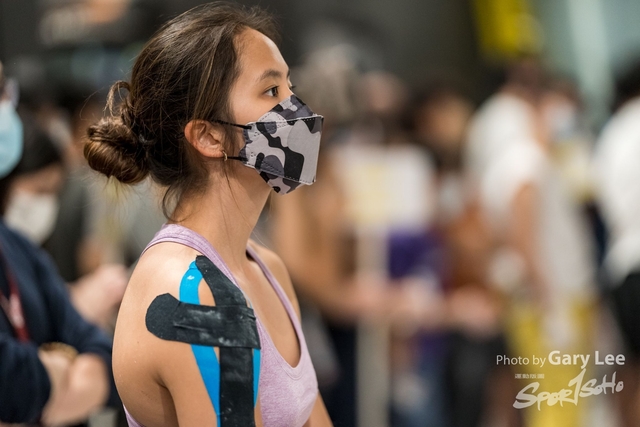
{"x":50,"y":317}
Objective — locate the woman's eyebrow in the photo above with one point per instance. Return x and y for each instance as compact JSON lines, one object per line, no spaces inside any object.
{"x":272,"y":73}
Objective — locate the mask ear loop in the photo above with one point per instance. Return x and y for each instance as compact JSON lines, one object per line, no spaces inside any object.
{"x":225,"y":157}
{"x":236,"y":125}
{"x":232,"y":124}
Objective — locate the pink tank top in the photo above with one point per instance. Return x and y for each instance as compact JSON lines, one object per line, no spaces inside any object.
{"x":287,"y":394}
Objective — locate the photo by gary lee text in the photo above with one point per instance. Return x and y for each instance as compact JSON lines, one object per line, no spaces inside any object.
{"x":557,"y":358}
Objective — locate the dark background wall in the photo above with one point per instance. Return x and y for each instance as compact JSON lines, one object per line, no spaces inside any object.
{"x":415,"y":39}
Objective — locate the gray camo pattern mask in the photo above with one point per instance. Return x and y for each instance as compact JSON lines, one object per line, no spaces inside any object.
{"x":283,"y":145}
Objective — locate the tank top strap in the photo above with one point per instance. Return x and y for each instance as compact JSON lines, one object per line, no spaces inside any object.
{"x":179,"y":234}
{"x":279,"y":291}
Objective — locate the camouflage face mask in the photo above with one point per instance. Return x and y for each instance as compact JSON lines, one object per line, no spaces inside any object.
{"x":283,"y":145}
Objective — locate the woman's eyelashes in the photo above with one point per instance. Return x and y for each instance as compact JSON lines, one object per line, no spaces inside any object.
{"x":274,"y":91}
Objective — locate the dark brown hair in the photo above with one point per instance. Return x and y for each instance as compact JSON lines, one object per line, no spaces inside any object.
{"x":184,"y":72}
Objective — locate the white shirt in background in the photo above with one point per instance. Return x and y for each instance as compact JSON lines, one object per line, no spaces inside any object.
{"x":617,"y":180}
{"x":503,"y":157}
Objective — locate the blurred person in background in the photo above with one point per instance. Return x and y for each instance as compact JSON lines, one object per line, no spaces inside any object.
{"x":65,"y":242}
{"x":68,"y":243}
{"x":617,"y":179}
{"x":463,"y":360}
{"x":543,"y":261}
{"x":571,"y":150}
{"x":99,"y":223}
{"x":32,"y":204}
{"x":55,"y":368}
{"x":406,"y":200}
{"x":34,"y":209}
{"x":570,"y":140}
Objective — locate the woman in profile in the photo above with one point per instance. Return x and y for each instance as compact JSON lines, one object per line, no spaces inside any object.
{"x":208,"y":333}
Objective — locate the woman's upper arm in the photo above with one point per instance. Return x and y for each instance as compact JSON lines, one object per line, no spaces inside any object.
{"x":179,"y":373}
{"x":158,"y":378}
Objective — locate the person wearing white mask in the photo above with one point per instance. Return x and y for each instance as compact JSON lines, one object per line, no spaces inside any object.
{"x":32,"y":206}
{"x":543,"y":259}
{"x":55,"y":367}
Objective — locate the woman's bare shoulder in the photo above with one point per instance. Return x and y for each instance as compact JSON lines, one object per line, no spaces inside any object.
{"x":159,"y":271}
{"x":163,"y":262}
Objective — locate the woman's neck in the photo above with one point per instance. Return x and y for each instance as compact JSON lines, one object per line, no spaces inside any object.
{"x":226,"y":216}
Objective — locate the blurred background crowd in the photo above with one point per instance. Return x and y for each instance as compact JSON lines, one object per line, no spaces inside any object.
{"x":477,"y":197}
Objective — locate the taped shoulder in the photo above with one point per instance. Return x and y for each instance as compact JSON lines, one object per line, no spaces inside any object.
{"x":232,"y":381}
{"x":215,"y":326}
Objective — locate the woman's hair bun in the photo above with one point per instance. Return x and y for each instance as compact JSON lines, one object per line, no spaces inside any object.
{"x":112,"y":148}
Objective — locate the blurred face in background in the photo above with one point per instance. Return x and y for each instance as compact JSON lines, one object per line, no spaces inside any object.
{"x":441,"y":124}
{"x":560,"y":113}
{"x":31,"y":200}
{"x":384,"y":96}
{"x":32,"y":207}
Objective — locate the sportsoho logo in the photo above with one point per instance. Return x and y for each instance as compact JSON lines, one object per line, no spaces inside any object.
{"x":576,"y":389}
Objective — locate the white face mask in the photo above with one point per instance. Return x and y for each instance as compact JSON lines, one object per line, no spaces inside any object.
{"x":33,"y":215}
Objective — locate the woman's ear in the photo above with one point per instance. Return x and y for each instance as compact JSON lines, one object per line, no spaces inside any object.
{"x":205,"y":137}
